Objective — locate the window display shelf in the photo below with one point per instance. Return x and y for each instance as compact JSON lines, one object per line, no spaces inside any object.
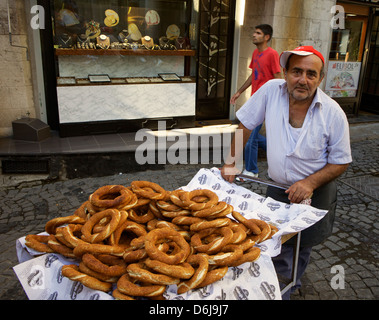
{"x":124,"y":52}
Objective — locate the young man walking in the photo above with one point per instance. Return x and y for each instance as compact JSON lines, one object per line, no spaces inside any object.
{"x":265,"y":66}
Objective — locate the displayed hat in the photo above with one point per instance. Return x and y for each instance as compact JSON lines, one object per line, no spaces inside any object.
{"x":112,"y":19}
{"x":134,"y":32}
{"x":152,"y":18}
{"x":172,"y":31}
{"x":300,"y":51}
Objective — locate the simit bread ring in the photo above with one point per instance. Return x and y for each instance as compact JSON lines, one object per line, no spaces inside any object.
{"x":209,"y":212}
{"x":113,"y":196}
{"x":230,"y":253}
{"x":72,"y":272}
{"x":134,"y":255}
{"x":188,"y":201}
{"x":38,"y":243}
{"x":102,"y":277}
{"x":129,"y":227}
{"x":155,"y":191}
{"x":116,"y":269}
{"x":175,"y":197}
{"x":216,"y":244}
{"x":154,"y":253}
{"x":198,"y":277}
{"x":250,"y":255}
{"x":247,"y":223}
{"x":205,"y":224}
{"x":83,"y":211}
{"x":68,"y":233}
{"x":53,"y":224}
{"x":138,"y":271}
{"x":265,"y":229}
{"x":59,"y":247}
{"x":107,"y":231}
{"x":213,"y":276}
{"x":93,"y":248}
{"x":239,"y":233}
{"x":140,"y":216}
{"x":120,"y":296}
{"x":181,"y":271}
{"x":127,"y":286}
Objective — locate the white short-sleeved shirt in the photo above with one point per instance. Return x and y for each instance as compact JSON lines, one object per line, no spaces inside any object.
{"x":293,"y":155}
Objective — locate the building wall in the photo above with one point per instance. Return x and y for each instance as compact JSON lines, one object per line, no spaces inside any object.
{"x":295,"y":23}
{"x":16,"y":90}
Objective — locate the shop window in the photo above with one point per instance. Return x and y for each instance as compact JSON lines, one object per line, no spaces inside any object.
{"x":346,"y":54}
{"x":121,"y":63}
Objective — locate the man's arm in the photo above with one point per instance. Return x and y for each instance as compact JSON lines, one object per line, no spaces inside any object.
{"x":246,"y":85}
{"x":229,"y":170}
{"x":303,"y":189}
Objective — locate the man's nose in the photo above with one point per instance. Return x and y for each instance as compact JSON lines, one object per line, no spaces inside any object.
{"x":303,"y":78}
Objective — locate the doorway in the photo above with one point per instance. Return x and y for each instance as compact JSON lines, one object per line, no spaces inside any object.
{"x":216,"y":30}
{"x":347,"y":59}
{"x":370,"y":95}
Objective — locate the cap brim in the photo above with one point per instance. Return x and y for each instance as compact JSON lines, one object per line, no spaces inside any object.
{"x":286,"y":54}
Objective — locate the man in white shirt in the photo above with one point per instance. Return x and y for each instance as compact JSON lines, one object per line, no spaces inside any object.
{"x":308,"y":144}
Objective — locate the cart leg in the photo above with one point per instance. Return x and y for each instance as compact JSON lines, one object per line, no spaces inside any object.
{"x":294,"y":265}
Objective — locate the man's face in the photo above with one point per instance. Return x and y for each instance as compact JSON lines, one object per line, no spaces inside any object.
{"x":259,"y":37}
{"x":303,"y":76}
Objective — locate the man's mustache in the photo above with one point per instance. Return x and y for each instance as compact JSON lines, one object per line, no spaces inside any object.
{"x":301,"y":87}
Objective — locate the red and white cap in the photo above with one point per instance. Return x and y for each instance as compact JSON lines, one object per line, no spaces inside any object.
{"x":300,"y":51}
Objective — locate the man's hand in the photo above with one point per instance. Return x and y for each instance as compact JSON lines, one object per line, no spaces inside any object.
{"x":234,"y":98}
{"x":303,"y":189}
{"x":229,"y":172}
{"x":299,"y":191}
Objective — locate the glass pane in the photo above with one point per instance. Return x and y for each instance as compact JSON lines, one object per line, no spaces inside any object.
{"x":346,"y":43}
{"x":85,"y":20}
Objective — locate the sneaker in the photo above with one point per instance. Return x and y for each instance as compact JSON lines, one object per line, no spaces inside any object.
{"x":250,"y":174}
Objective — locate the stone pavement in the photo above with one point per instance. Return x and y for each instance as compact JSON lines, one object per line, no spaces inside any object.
{"x":351,"y":252}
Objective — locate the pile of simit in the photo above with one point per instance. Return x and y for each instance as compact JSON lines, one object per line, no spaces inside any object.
{"x":136,"y":240}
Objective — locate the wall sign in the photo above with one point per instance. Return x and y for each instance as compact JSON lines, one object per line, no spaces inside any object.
{"x":342,"y":79}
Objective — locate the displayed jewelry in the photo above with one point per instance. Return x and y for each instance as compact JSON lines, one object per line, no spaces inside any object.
{"x":148,"y":42}
{"x":103,"y":42}
{"x":123,"y":36}
{"x":172,"y":31}
{"x":180,"y":43}
{"x":164,"y":43}
{"x":82,"y":42}
{"x":65,"y":41}
{"x":152,"y":18}
{"x":112,"y":19}
{"x":92,"y":29}
{"x":134,"y":45}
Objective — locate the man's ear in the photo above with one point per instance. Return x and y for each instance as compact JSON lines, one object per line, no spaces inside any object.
{"x":285,"y":73}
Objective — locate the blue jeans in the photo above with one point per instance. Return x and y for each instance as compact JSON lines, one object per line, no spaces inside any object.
{"x":255,"y":141}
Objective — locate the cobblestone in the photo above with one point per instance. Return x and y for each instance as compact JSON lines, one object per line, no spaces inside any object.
{"x":354,"y":244}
